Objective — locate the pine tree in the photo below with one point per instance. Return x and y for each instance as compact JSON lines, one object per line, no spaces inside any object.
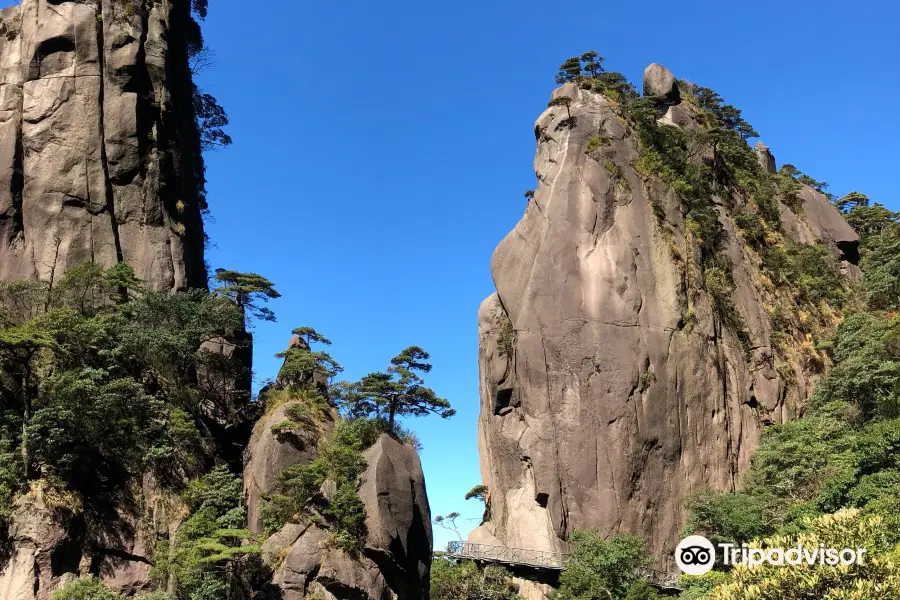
{"x":399,"y":391}
{"x":247,"y":290}
{"x":569,"y":71}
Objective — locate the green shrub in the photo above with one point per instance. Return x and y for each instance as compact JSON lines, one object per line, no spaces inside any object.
{"x":735,"y":517}
{"x":86,"y":588}
{"x":603,"y":568}
{"x":506,"y":335}
{"x":157,"y":595}
{"x":751,"y":226}
{"x":466,"y":580}
{"x":595,"y":143}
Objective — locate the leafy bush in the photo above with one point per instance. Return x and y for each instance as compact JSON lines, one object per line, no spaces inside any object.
{"x":506,"y":335}
{"x":157,"y":595}
{"x":881,"y":263}
{"x":811,"y":270}
{"x":209,"y":552}
{"x":86,"y":588}
{"x":877,"y":577}
{"x":466,"y":581}
{"x":866,"y":352}
{"x":736,"y":517}
{"x":600,"y":568}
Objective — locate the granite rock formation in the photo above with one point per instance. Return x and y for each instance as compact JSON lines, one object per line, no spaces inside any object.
{"x":395,"y":561}
{"x":606,"y":395}
{"x":99,"y":161}
{"x":660,"y":84}
{"x":99,"y":153}
{"x":765,"y":157}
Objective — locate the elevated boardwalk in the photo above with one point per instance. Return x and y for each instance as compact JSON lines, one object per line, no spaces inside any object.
{"x":543,"y":560}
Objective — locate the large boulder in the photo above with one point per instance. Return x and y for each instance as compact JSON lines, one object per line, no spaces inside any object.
{"x":395,"y":561}
{"x":39,"y":536}
{"x":660,"y":84}
{"x":52,"y":544}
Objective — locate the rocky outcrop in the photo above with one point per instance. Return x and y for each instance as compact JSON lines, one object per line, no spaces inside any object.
{"x":38,"y":539}
{"x":99,"y":154}
{"x":660,"y":84}
{"x":52,"y":545}
{"x":395,"y":560}
{"x":609,"y":390}
{"x":272,"y":450}
{"x":765,"y":157}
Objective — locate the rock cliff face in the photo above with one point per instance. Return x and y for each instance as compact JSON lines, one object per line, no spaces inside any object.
{"x":99,"y":155}
{"x":99,"y":161}
{"x":607,"y":395}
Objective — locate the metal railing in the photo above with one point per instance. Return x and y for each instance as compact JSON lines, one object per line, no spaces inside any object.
{"x":543,"y":559}
{"x":514,"y":556}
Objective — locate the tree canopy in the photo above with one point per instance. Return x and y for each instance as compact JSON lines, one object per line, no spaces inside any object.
{"x":248,"y":291}
{"x":398,"y":391}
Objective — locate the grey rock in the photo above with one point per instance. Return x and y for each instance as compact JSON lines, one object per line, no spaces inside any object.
{"x":396,"y":558}
{"x":95,"y":159}
{"x":37,"y":533}
{"x":765,"y":157}
{"x":270,"y":452}
{"x":660,"y":84}
{"x":620,"y":394}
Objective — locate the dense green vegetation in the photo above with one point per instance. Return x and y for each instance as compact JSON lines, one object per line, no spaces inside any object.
{"x":212,"y":555}
{"x":835,"y":473}
{"x":105,"y":383}
{"x":100,"y":384}
{"x":600,"y":568}
{"x":464,"y":580}
{"x":89,"y":588}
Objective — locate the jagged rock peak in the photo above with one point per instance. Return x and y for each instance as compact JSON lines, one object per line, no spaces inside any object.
{"x":99,"y":153}
{"x":659,"y":83}
{"x":610,"y":388}
{"x":765,"y":157}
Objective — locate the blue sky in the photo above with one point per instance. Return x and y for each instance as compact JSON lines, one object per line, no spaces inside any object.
{"x":382,"y":149}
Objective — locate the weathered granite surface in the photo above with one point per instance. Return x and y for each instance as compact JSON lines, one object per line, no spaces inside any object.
{"x":98,"y":148}
{"x":609,"y":392}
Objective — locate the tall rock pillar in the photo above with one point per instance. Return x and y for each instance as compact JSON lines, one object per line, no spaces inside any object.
{"x":99,"y":154}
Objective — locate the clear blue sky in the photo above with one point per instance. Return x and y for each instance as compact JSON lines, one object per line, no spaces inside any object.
{"x":382,"y":149}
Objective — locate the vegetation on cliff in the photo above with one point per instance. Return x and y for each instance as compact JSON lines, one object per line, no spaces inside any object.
{"x":835,"y":473}
{"x":100,"y":385}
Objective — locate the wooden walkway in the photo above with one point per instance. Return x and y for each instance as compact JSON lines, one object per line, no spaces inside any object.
{"x":542,"y":560}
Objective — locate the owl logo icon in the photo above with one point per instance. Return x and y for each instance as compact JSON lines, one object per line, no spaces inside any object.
{"x":695,"y":555}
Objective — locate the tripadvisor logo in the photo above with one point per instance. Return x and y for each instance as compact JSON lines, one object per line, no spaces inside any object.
{"x":696,"y":555}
